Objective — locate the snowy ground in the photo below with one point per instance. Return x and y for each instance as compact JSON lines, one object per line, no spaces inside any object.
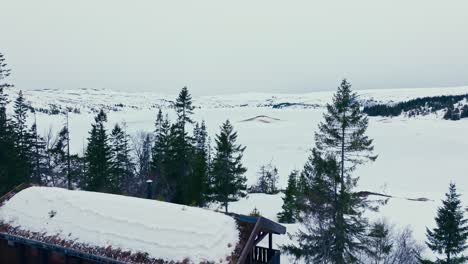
{"x":418,"y":157}
{"x":163,"y":230}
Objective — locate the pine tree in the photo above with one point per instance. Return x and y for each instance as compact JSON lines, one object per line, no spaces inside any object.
{"x":64,"y":170}
{"x":21,"y":129}
{"x":145,"y":158}
{"x":184,"y":108}
{"x":450,"y":235}
{"x":160,"y":150}
{"x":37,"y":149}
{"x":122,"y":175}
{"x":199,"y":182}
{"x":314,"y":203}
{"x":68,"y":157}
{"x":341,"y":145}
{"x":98,"y":157}
{"x":289,"y":212}
{"x":12,"y":167}
{"x":22,"y":138}
{"x":227,"y":170}
{"x":380,"y":243}
{"x":182,"y":172}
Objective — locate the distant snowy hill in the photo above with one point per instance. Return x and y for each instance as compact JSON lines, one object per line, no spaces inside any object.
{"x":89,"y":100}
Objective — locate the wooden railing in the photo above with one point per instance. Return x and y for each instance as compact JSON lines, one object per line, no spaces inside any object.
{"x":264,"y":255}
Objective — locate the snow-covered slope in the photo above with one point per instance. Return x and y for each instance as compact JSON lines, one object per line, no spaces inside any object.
{"x":88,"y":99}
{"x":163,"y":230}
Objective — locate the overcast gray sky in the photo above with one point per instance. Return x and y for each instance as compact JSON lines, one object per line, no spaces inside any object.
{"x":217,"y":46}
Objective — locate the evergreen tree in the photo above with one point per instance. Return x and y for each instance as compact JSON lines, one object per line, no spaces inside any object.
{"x":68,"y":157}
{"x":12,"y":167}
{"x":122,"y":166}
{"x":145,"y":158}
{"x":181,"y":172}
{"x":160,"y":150}
{"x":37,"y":149}
{"x":228,"y":180}
{"x":380,"y":243}
{"x":199,"y":182}
{"x":315,"y":203}
{"x":23,"y":137}
{"x":328,"y":198}
{"x":184,"y":108}
{"x":98,"y":157}
{"x":64,"y":170}
{"x":289,"y":213}
{"x":449,"y":237}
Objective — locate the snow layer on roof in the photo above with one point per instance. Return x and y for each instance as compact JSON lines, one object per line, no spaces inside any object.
{"x":163,"y":230}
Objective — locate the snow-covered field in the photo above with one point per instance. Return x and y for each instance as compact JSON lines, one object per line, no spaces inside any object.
{"x":418,"y":157}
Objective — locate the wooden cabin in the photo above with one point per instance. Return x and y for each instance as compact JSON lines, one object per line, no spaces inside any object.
{"x":57,"y":226}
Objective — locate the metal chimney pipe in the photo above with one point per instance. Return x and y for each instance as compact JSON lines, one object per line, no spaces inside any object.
{"x":149,"y":186}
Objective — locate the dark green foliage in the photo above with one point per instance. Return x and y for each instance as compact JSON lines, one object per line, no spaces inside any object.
{"x":4,"y":73}
{"x":13,"y":169}
{"x":38,"y":156}
{"x":417,"y":106}
{"x":184,"y":107}
{"x":63,"y":170}
{"x":198,"y":190}
{"x":267,"y":180}
{"x":316,"y":242}
{"x":450,"y":235}
{"x":98,"y":158}
{"x":227,"y":171}
{"x":289,"y":213}
{"x":331,"y":212}
{"x":122,"y":169}
{"x":380,"y":243}
{"x":160,"y":162}
{"x":179,"y":171}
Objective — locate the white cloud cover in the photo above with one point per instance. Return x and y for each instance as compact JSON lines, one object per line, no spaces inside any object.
{"x":230,"y":46}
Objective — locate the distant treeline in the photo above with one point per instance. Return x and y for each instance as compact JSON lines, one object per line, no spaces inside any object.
{"x":422,"y":106}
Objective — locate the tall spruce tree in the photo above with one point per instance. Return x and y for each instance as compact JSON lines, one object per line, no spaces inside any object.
{"x":12,"y":167}
{"x":228,"y":180}
{"x":180,"y":172}
{"x":98,"y":157}
{"x":184,"y":108}
{"x":341,"y":145}
{"x":122,"y":170}
{"x":65,"y":170}
{"x":160,"y":156}
{"x":450,"y":235}
{"x":23,"y":137}
{"x":199,"y":181}
{"x":380,"y":243}
{"x":38,"y":155}
{"x":289,"y":213}
{"x":315,"y":205}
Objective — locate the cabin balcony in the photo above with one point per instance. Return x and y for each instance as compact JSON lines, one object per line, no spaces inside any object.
{"x":264,"y":255}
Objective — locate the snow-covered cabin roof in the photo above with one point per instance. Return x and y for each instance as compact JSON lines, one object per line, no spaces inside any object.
{"x":163,"y":230}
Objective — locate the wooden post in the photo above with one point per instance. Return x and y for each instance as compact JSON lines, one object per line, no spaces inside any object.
{"x":270,"y":241}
